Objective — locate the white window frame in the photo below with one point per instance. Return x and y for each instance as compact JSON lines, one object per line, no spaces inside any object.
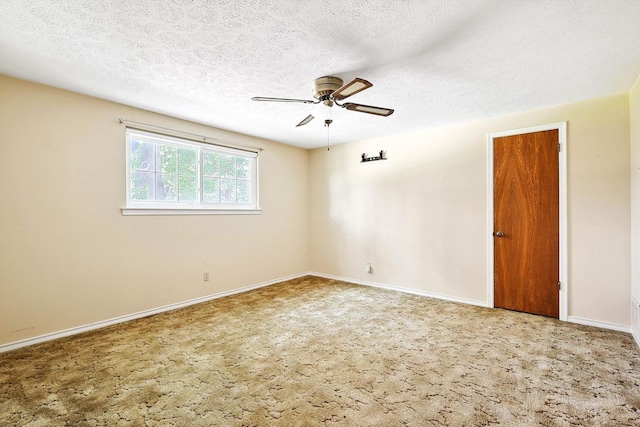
{"x":134,"y":207}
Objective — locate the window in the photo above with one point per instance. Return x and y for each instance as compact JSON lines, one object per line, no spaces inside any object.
{"x":167,"y":175}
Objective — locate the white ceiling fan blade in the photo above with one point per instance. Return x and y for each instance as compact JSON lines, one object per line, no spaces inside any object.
{"x":305,"y":120}
{"x":354,"y":86}
{"x":378,"y":111}
{"x":303,"y":101}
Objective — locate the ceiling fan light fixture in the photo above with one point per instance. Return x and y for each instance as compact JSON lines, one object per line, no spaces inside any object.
{"x":354,"y":86}
{"x":327,"y":113}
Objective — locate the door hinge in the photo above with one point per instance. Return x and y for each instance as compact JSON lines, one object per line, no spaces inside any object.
{"x":558,"y":147}
{"x":559,"y":285}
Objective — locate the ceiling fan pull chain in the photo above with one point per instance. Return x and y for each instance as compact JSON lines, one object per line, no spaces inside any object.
{"x":326,"y":124}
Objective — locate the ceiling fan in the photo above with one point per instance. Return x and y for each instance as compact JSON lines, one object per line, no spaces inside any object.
{"x":328,"y":91}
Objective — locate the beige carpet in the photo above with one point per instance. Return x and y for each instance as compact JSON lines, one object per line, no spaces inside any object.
{"x":317,"y":352}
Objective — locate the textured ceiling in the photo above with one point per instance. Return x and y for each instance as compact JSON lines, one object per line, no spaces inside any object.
{"x":434,"y":62}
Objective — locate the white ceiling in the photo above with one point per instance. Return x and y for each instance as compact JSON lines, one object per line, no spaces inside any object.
{"x":435,"y":62}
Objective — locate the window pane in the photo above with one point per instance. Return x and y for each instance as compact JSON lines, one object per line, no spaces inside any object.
{"x":188,"y":188}
{"x":243,"y":192}
{"x":188,"y":161}
{"x":227,"y":166}
{"x":211,"y":193}
{"x":242,"y":168}
{"x":166,"y":159}
{"x":210,"y":163}
{"x":227,"y":191}
{"x":141,"y":156}
{"x":167,"y":172}
{"x":142,"y":186}
{"x":167,"y":187}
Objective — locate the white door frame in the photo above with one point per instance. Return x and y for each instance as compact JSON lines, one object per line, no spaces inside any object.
{"x":564,"y":276}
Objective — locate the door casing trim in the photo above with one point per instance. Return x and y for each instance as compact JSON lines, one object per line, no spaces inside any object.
{"x":562,"y":164}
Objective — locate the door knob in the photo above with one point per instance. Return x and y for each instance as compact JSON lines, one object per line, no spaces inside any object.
{"x":499,"y":234}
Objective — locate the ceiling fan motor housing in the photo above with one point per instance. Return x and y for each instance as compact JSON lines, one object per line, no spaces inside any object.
{"x":323,"y":87}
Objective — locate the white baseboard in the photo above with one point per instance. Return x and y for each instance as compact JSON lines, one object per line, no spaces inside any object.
{"x":573,"y":319}
{"x":138,"y":315}
{"x":599,"y":324}
{"x":634,"y":329}
{"x":401,"y":289}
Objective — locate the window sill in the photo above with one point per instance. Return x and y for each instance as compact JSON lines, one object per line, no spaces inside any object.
{"x":199,"y":211}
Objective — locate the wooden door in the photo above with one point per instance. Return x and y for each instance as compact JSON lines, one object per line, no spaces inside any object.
{"x":526,"y":223}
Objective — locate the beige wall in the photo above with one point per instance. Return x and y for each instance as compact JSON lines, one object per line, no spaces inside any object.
{"x":634,"y":114}
{"x":420,"y":217}
{"x":67,"y":255}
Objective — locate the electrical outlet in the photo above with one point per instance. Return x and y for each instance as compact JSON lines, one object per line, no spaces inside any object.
{"x":367,"y":267}
{"x":206,"y":276}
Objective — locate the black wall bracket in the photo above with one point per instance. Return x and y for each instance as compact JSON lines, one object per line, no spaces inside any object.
{"x":382,"y":156}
